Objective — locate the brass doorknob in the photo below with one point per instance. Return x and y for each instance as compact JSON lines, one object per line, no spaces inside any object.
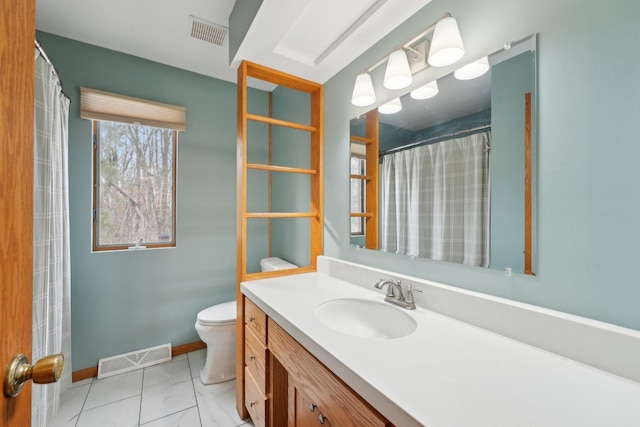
{"x":46,"y":370}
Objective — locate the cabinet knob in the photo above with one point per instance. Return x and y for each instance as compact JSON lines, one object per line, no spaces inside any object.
{"x":252,"y":319}
{"x":252,"y":403}
{"x":321,"y":418}
{"x":312,"y":407}
{"x":252,"y":357}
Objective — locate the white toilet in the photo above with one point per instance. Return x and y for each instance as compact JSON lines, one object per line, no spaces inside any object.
{"x":216,"y":326}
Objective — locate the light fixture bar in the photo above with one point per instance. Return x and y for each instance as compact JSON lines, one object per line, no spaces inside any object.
{"x":417,"y":56}
{"x":444,"y":48}
{"x":409,"y":44}
{"x":425,"y":32}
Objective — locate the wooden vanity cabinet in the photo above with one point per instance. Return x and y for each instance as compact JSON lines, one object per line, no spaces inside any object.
{"x":315,"y":395}
{"x":306,"y":131}
{"x":285,"y":385}
{"x":305,"y":413}
{"x":255,"y":400}
{"x":255,"y":363}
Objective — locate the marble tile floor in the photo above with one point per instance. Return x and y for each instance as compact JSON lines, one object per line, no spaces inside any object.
{"x":165,"y":395}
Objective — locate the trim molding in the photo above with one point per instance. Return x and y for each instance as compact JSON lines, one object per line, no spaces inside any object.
{"x":92,"y":371}
{"x":187,"y":348}
{"x":84,"y":374}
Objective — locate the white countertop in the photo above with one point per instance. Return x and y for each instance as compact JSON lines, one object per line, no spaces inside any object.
{"x":447,"y":372}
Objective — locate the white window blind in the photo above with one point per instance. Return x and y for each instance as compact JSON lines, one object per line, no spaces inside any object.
{"x":358,"y":149}
{"x":106,"y":106}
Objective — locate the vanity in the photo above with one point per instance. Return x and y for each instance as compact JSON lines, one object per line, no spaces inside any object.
{"x":302,"y":369}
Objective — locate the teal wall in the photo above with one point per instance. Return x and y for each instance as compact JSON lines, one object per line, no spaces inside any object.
{"x":123,"y":301}
{"x":290,"y":237}
{"x":588,"y":196}
{"x":257,"y":182}
{"x":291,"y":191}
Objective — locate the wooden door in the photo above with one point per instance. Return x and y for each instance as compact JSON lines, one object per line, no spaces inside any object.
{"x":17,"y":33}
{"x":302,"y":415}
{"x":305,"y":412}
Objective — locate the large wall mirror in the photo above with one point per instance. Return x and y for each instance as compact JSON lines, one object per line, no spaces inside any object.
{"x":456,"y":174}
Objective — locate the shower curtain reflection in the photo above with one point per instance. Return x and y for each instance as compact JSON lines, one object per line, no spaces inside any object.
{"x":51,"y":267}
{"x":435,"y":201}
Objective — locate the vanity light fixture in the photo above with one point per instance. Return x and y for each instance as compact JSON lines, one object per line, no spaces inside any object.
{"x":363,"y":93}
{"x":390,"y":107}
{"x":398,"y":74}
{"x":444,"y":48}
{"x":426,"y":91}
{"x":472,"y":70}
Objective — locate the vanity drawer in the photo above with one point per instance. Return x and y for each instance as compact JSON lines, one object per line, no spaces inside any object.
{"x":255,"y":320}
{"x":341,"y":405}
{"x":254,"y":400}
{"x":255,"y":357}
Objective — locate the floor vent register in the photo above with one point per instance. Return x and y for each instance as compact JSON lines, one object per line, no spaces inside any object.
{"x":138,"y":359}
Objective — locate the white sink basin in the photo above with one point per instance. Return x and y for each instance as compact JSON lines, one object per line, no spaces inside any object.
{"x":365,"y":318}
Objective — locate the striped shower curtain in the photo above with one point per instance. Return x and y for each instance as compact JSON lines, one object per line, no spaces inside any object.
{"x":51,"y":267}
{"x":435,"y":201}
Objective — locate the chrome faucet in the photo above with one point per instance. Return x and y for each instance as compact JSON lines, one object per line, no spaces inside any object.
{"x":394,"y":293}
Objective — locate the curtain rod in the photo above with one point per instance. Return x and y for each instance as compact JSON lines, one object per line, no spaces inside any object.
{"x":438,"y":138}
{"x":53,"y":67}
{"x":45,"y":56}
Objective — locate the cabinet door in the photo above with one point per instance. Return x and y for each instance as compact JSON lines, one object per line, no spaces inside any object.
{"x":255,"y":320}
{"x":255,"y":401}
{"x":304,"y":412}
{"x":255,"y":357}
{"x":338,"y":402}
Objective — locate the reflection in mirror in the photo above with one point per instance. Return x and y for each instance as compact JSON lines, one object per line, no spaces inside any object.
{"x":455,"y":168}
{"x":364,"y":182}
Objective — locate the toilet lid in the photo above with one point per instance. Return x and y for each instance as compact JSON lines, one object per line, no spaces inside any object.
{"x":219,"y":314}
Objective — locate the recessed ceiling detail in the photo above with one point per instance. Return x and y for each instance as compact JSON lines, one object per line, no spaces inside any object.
{"x":344,"y":29}
{"x":319,"y":30}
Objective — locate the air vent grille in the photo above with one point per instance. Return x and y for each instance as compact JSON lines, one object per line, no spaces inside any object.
{"x":126,"y":362}
{"x":208,"y":32}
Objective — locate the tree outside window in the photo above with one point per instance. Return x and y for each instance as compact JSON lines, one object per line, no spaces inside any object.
{"x":134,"y":186}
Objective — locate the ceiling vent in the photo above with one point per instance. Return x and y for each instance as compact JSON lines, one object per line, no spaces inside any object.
{"x":208,"y":31}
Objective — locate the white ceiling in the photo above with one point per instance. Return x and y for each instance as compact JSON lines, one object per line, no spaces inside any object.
{"x":289,"y":35}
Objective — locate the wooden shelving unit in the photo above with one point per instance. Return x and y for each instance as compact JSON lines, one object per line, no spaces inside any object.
{"x":314,"y":171}
{"x":370,"y":179}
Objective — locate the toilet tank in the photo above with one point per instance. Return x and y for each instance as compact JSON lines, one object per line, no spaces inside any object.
{"x":275,"y":264}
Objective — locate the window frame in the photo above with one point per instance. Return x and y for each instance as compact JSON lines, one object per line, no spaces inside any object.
{"x":95,"y":195}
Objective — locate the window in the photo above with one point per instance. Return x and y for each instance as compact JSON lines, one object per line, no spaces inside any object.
{"x":134,"y":169}
{"x":358,"y":202}
{"x":134,"y":186}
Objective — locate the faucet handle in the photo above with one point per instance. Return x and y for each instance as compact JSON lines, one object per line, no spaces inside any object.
{"x":409,"y":296}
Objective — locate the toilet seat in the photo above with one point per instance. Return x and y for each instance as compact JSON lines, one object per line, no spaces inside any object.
{"x":220,"y":314}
